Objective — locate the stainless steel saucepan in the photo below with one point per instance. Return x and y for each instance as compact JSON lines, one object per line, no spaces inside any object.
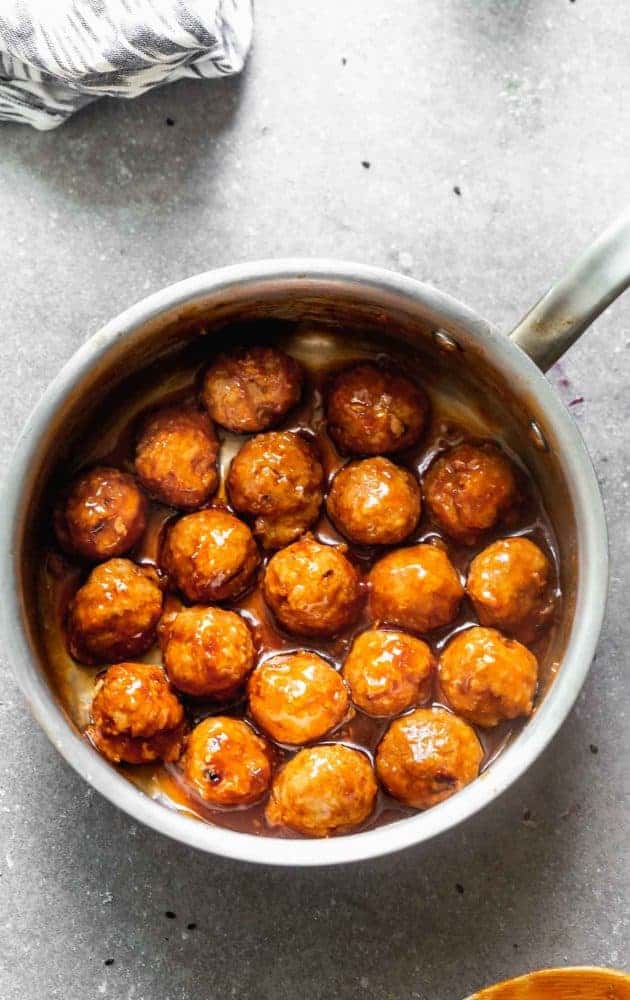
{"x":506,"y":372}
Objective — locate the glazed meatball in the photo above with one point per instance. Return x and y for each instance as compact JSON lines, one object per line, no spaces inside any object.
{"x":226,"y":764}
{"x":374,"y":502}
{"x":469,"y":489}
{"x":323,"y":790}
{"x":297,"y":697}
{"x":136,"y":717}
{"x":388,"y":672}
{"x":426,"y":756}
{"x":103,"y":515}
{"x":488,"y":678}
{"x":210,"y":556}
{"x":176,"y":457}
{"x":312,"y":589}
{"x":207,"y":652}
{"x":416,"y":588}
{"x":114,"y":615}
{"x":509,"y":585}
{"x":251,"y":389}
{"x":373,"y":411}
{"x":276,"y":479}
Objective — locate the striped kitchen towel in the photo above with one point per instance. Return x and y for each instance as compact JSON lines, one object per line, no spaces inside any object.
{"x":56,"y":56}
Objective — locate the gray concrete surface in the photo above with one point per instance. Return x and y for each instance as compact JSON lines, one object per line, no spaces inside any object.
{"x":522,"y":106}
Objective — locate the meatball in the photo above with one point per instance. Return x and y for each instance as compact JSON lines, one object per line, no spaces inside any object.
{"x":469,"y":489}
{"x":374,"y":502}
{"x":277,"y":479}
{"x":226,"y":764}
{"x":210,"y":556}
{"x":312,"y":589}
{"x":251,"y":389}
{"x":426,"y":756}
{"x":297,"y":697}
{"x":373,"y":411}
{"x":103,"y":515}
{"x":323,"y":790}
{"x":176,"y":457}
{"x":416,"y":588}
{"x":388,"y":672}
{"x":136,"y":717}
{"x":488,"y":678}
{"x":114,"y":615}
{"x":207,"y":652}
{"x":509,"y":585}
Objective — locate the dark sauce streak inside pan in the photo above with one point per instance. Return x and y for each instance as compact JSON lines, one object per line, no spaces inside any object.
{"x":164,"y":783}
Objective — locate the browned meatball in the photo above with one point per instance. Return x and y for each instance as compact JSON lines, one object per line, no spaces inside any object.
{"x":226,"y":764}
{"x":207,"y":651}
{"x":312,"y":589}
{"x":388,"y":672}
{"x":251,"y":389}
{"x":323,"y":790}
{"x":114,"y":614}
{"x":416,"y":588}
{"x":374,"y":502}
{"x":103,"y":515}
{"x":136,"y":717}
{"x":210,"y":556}
{"x":426,"y":756}
{"x":277,"y":478}
{"x":488,"y":678}
{"x":297,"y":697}
{"x":469,"y":489}
{"x":509,"y":585}
{"x":176,"y":457}
{"x":373,"y":411}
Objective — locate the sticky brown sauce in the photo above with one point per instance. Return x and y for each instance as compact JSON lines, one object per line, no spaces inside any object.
{"x":451,"y":422}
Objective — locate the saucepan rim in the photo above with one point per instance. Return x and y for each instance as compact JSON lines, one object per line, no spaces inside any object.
{"x":591,"y":592}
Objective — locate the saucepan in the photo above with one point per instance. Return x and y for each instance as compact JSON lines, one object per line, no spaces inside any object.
{"x":507,"y":372}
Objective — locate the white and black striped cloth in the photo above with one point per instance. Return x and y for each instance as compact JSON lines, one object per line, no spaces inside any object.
{"x":56,"y":56}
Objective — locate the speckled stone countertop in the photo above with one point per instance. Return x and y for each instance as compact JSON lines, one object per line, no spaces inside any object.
{"x":476,"y":145}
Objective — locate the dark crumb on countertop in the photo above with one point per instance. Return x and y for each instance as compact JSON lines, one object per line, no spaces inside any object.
{"x":571,"y":811}
{"x":594,"y":748}
{"x":527,"y":819}
{"x":457,"y":190}
{"x":170,"y":914}
{"x":515,"y":946}
{"x":192,"y":926}
{"x":564,"y":382}
{"x":170,"y":121}
{"x":459,"y":887}
{"x":343,"y":60}
{"x":578,"y":399}
{"x":108,"y":961}
{"x":366,"y":164}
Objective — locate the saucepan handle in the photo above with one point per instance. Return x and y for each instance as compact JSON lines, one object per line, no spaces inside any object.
{"x":594,"y":280}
